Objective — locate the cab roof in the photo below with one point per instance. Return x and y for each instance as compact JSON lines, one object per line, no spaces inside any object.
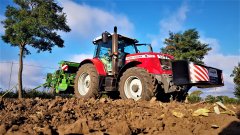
{"x":120,"y":37}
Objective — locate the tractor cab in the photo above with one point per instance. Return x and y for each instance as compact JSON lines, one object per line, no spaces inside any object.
{"x":125,"y":46}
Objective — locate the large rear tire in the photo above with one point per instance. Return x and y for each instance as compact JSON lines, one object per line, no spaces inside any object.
{"x":86,"y":82}
{"x":136,"y":83}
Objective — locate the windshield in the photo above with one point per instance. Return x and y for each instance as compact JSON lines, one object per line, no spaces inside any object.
{"x":135,"y":48}
{"x":123,"y":46}
{"x":143,"y":48}
{"x":103,"y":49}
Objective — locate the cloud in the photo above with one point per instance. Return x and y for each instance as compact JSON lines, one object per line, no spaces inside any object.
{"x":214,"y":43}
{"x":80,"y":57}
{"x":224,"y":62}
{"x":32,"y":76}
{"x":216,"y":58}
{"x":34,"y":73}
{"x":173,"y":23}
{"x":87,"y":21}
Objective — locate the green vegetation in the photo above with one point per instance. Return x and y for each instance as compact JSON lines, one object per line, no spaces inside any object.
{"x":223,"y":99}
{"x":33,"y":94}
{"x":28,"y":94}
{"x":194,"y":97}
{"x":186,"y":46}
{"x":33,"y":23}
{"x":236,"y":79}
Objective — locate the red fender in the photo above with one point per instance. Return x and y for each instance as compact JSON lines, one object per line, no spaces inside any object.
{"x":98,"y":65}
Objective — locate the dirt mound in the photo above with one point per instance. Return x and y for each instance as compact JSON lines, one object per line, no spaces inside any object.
{"x":79,"y":116}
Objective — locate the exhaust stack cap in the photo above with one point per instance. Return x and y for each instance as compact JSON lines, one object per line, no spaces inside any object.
{"x":115,"y":29}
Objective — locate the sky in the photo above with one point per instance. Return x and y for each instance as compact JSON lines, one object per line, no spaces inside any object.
{"x":149,"y":21}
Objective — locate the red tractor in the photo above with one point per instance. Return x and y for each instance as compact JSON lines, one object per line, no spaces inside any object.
{"x":121,"y":65}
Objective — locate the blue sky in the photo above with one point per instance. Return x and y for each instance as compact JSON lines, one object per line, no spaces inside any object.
{"x":149,"y":21}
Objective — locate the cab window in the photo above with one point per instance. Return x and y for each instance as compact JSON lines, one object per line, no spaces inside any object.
{"x":103,"y":49}
{"x":130,"y":49}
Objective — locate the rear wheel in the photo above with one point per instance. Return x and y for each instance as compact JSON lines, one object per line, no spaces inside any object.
{"x":136,"y":83}
{"x":86,"y":82}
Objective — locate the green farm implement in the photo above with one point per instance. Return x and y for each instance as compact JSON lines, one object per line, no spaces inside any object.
{"x":62,"y":80}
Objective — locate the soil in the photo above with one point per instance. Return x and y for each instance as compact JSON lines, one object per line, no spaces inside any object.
{"x":106,"y":116}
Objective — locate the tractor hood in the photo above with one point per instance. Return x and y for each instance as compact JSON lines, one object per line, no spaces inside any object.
{"x":148,"y":55}
{"x":154,"y":63}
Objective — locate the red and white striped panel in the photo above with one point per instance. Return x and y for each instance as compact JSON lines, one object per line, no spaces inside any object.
{"x":65,"y":67}
{"x":198,"y":73}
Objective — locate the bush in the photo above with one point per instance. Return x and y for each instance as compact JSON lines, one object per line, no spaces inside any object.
{"x":35,"y":93}
{"x":210,"y":99}
{"x":223,"y":99}
{"x":28,"y":94}
{"x":194,"y":97}
{"x":9,"y":94}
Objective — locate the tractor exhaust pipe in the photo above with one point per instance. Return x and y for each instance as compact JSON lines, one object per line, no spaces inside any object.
{"x":115,"y":52}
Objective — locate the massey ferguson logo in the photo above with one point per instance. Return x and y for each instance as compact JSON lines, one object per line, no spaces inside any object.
{"x":146,"y":56}
{"x":140,"y":57}
{"x":162,"y":57}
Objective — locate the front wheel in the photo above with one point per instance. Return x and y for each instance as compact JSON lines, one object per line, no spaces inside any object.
{"x":136,"y":83}
{"x":86,"y":82}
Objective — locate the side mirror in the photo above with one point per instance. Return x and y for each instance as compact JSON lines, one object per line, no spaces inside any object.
{"x":105,"y":37}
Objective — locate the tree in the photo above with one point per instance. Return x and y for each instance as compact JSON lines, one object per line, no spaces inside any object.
{"x":223,"y":99}
{"x":236,"y":79}
{"x":33,"y":23}
{"x":186,"y":46}
{"x":210,"y":99}
{"x":195,"y":96}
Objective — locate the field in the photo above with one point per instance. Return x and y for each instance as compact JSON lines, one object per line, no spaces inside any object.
{"x":106,"y":116}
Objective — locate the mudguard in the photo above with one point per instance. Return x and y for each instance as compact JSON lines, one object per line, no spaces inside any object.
{"x":125,"y":67}
{"x":98,"y":65}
